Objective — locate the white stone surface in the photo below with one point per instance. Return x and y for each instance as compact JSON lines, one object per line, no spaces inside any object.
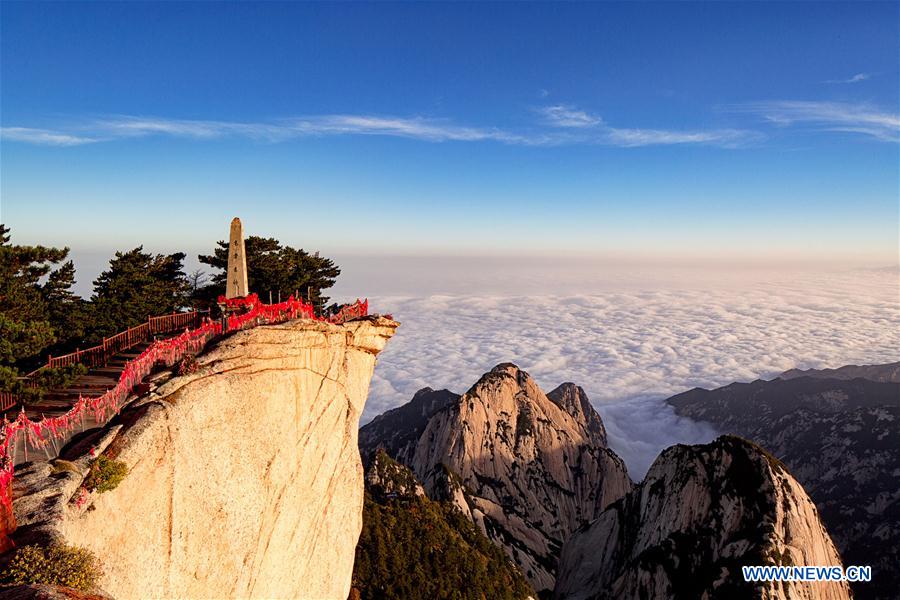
{"x":245,"y":479}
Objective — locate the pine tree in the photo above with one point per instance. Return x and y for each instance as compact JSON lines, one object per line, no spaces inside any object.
{"x":137,"y":285}
{"x":274,"y":268}
{"x":26,"y":322}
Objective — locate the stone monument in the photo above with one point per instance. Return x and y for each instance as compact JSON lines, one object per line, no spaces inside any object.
{"x":236,"y":286}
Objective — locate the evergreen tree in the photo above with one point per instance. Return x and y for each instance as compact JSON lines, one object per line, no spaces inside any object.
{"x":67,"y":311}
{"x":274,"y":268}
{"x":26,"y":322}
{"x":137,"y":285}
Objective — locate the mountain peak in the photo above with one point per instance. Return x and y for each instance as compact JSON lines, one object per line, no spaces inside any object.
{"x":700,"y":514}
{"x":526,"y":469}
{"x":573,"y":399}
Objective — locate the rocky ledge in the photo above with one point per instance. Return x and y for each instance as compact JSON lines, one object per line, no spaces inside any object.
{"x":244,"y":478}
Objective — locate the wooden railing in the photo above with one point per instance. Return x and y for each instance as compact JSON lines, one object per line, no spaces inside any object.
{"x":7,"y":400}
{"x":99,"y":355}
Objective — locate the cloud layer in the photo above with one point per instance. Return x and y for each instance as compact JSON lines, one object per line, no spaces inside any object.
{"x":561,"y":125}
{"x":630,"y":349}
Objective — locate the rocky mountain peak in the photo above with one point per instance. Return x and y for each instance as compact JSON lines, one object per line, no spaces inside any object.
{"x":527,"y":470}
{"x":572,"y":399}
{"x":700,"y":514}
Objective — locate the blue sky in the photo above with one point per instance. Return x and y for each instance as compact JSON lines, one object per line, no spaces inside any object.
{"x":637,"y":131}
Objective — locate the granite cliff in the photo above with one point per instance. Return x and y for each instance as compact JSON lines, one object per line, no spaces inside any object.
{"x":244,"y":478}
{"x":700,"y":514}
{"x":528,"y":468}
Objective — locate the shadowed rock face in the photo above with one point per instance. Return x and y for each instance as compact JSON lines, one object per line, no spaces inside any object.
{"x":397,"y":431}
{"x":701,"y":513}
{"x":244,"y":479}
{"x":527,"y":469}
{"x":839,"y":438}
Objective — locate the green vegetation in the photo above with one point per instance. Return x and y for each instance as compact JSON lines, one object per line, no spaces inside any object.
{"x":137,"y":285}
{"x":105,"y":474}
{"x":58,"y":564}
{"x":36,"y":304}
{"x":46,"y":379}
{"x":274,"y":268}
{"x":41,"y":315}
{"x":413,"y":547}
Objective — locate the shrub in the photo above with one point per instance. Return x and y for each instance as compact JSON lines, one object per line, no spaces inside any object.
{"x":59,"y":564}
{"x":105,"y":474}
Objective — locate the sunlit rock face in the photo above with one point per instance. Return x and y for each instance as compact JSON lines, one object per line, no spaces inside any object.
{"x":701,"y":513}
{"x":244,"y":479}
{"x":527,"y":469}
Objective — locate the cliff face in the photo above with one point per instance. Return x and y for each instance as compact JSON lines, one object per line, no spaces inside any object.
{"x":839,"y":438}
{"x":700,"y":514}
{"x":244,"y":478}
{"x":526,"y":469}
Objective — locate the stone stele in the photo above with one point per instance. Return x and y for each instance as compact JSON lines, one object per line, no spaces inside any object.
{"x":237,"y":262}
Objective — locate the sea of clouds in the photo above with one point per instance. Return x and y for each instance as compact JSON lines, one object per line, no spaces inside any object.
{"x":632,"y":341}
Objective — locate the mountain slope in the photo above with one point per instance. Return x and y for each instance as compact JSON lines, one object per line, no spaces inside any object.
{"x":413,"y":547}
{"x":526,"y":469}
{"x":398,"y":430}
{"x":701,"y":513}
{"x":840,"y":440}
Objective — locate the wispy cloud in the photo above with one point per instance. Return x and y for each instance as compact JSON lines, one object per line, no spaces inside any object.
{"x":830,"y":116}
{"x":726,"y":138}
{"x":562,"y":115}
{"x":561,"y":125}
{"x":43,"y":136}
{"x":855,"y":79}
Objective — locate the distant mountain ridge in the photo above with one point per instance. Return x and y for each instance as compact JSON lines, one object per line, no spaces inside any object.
{"x":840,"y":437}
{"x":888,"y":373}
{"x":397,"y":431}
{"x":533,"y":472}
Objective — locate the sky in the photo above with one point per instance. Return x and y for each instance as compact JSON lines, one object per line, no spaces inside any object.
{"x":641,"y":132}
{"x":637,"y":197}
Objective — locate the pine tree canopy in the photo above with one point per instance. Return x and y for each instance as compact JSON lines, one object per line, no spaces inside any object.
{"x":273,"y":267}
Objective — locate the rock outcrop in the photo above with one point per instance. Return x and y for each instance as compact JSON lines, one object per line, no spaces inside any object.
{"x":244,"y":478}
{"x":839,"y":438}
{"x":701,"y":513}
{"x":528,"y":470}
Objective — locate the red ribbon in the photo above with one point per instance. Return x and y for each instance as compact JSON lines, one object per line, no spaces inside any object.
{"x":168,"y":352}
